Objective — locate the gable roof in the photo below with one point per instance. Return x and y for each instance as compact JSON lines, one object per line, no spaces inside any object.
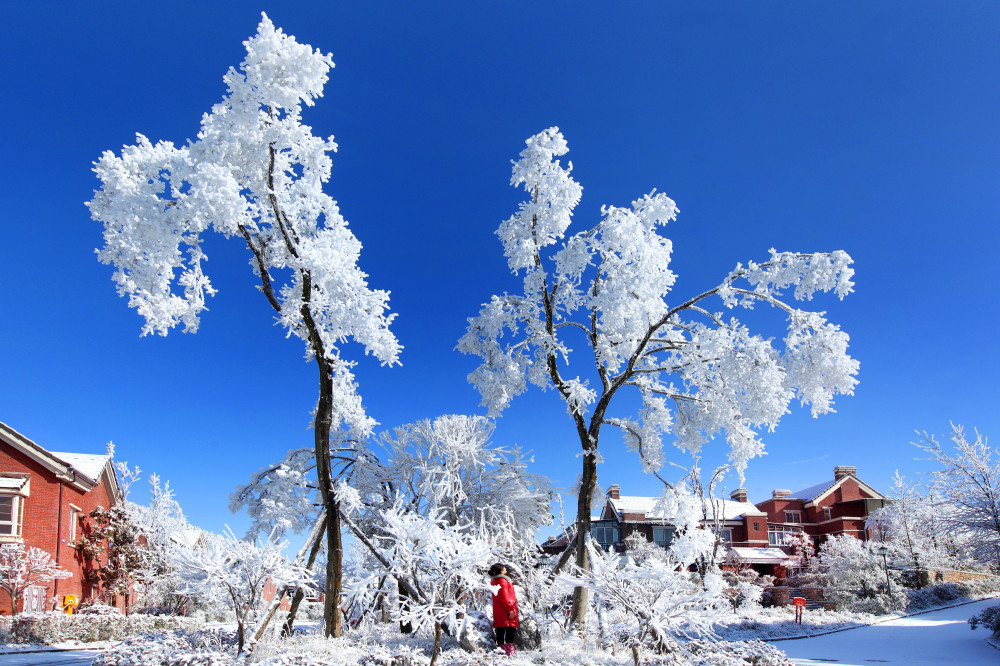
{"x":815,"y":493}
{"x":82,"y":470}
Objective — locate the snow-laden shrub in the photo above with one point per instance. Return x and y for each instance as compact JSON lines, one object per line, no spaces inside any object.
{"x":98,"y":608}
{"x":48,"y":628}
{"x":739,"y":653}
{"x":937,"y":595}
{"x":855,"y":577}
{"x":989,"y":618}
{"x":176,"y":648}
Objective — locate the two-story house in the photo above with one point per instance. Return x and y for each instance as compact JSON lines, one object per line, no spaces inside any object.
{"x":45,"y":498}
{"x":840,"y":506}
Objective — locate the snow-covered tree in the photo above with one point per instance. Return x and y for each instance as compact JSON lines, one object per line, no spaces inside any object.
{"x":966,"y":490}
{"x":163,"y":527}
{"x":608,"y":290}
{"x":856,"y":573}
{"x":113,"y":543}
{"x":255,"y":172}
{"x":445,"y":480}
{"x":442,"y":559}
{"x":21,"y":567}
{"x":233,"y":573}
{"x":911,"y":525}
{"x":668,"y":603}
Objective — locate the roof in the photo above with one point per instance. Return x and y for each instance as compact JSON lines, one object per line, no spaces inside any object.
{"x":83,"y":470}
{"x":648,"y":507}
{"x":760,"y":555}
{"x":812,"y":492}
{"x":91,"y":464}
{"x":820,"y":490}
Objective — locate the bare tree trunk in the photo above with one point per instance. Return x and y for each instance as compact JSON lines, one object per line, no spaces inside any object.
{"x":437,"y":643}
{"x":332,"y":621}
{"x":578,"y":615}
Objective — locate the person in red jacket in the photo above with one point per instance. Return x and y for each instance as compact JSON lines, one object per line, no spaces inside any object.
{"x":504,"y":608}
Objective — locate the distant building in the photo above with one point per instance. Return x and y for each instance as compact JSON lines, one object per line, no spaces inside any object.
{"x":45,"y":499}
{"x":753,"y":535}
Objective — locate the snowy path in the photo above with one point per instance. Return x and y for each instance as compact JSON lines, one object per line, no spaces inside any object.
{"x":62,"y":658}
{"x":938,"y":637}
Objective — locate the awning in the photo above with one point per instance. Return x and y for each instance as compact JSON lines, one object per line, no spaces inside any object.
{"x":761,"y":555}
{"x":12,"y":483}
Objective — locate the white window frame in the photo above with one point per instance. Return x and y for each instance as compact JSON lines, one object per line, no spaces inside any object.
{"x":16,"y":516}
{"x":793,"y":516}
{"x":778,"y":535}
{"x":827,"y":513}
{"x":75,"y":514}
{"x":726,"y":535}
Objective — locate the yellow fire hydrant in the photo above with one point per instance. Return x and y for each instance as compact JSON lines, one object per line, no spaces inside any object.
{"x":69,"y":600}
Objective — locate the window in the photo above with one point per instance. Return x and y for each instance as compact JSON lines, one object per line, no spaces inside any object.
{"x":726,"y":536}
{"x":827,"y":513}
{"x":780,"y":535}
{"x":663,"y":536}
{"x":793,"y":516}
{"x":75,"y":514}
{"x":605,"y":533}
{"x":10,"y":515}
{"x":756,"y":526}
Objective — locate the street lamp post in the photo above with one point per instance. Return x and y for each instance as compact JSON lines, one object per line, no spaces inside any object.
{"x":884,"y":551}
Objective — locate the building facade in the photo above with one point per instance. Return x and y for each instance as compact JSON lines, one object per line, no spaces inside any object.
{"x":755,"y":535}
{"x":45,"y":499}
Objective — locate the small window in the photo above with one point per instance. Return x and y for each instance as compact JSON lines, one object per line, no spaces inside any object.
{"x":756,"y":527}
{"x":10,"y":508}
{"x":827,"y":513}
{"x":793,"y":516}
{"x":75,"y":515}
{"x":726,"y":536}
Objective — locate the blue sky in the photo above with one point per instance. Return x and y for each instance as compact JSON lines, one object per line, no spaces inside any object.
{"x":865,"y":126}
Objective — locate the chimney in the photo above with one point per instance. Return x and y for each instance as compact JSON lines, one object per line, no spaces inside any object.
{"x":840,"y":471}
{"x":780,"y":493}
{"x":739,"y":495}
{"x":614,"y":492}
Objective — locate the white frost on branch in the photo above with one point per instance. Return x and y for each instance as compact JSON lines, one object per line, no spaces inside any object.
{"x":609,"y":288}
{"x":257,"y":173}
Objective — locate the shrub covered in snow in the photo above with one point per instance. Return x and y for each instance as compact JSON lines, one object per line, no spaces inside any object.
{"x":51,"y":628}
{"x":989,"y":618}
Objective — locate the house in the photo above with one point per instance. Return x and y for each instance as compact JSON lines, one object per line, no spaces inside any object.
{"x":759,"y":535}
{"x":831,"y":508}
{"x":45,"y":499}
{"x":741,"y":526}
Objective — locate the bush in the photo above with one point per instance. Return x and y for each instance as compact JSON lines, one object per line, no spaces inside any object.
{"x":989,"y":618}
{"x":177,"y":648}
{"x":936,"y":595}
{"x":48,"y":628}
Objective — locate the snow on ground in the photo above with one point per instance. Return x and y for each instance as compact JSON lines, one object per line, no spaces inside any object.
{"x":49,"y":658}
{"x":936,"y":637}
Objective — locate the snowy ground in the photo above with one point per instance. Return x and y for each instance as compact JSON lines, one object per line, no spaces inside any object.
{"x":936,"y":637}
{"x":62,"y":658}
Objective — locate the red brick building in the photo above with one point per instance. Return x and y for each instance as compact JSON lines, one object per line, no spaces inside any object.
{"x":840,"y":506}
{"x":755,"y":535}
{"x":45,"y":497}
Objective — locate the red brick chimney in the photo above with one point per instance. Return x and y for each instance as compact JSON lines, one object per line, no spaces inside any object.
{"x":840,"y":471}
{"x":739,"y":495}
{"x":614,"y":492}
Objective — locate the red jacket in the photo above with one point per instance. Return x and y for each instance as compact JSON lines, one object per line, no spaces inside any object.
{"x":504,"y":601}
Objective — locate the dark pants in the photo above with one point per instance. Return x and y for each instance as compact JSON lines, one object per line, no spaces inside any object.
{"x":505,"y":634}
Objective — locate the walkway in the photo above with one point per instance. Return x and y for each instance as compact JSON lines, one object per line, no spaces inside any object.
{"x":934,"y":638}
